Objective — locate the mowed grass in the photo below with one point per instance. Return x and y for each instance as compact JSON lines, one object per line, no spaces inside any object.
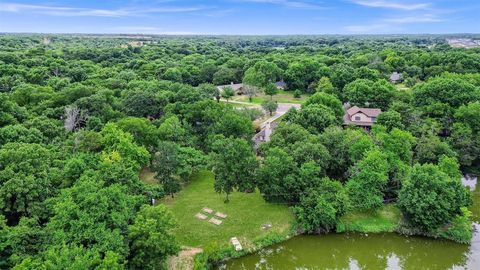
{"x":148,"y":177}
{"x":282,"y":97}
{"x":247,"y":212}
{"x":385,"y":219}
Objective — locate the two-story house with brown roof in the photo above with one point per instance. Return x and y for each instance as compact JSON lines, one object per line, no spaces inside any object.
{"x":362,"y":117}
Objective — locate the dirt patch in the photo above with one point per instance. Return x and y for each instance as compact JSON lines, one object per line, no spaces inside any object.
{"x":184,"y":259}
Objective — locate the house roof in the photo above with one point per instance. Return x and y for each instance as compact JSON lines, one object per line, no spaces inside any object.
{"x":347,"y":118}
{"x":395,"y":76}
{"x":280,"y":84}
{"x":234,"y":86}
{"x":367,"y":111}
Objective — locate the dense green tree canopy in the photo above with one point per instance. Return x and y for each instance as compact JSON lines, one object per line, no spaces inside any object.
{"x":84,"y":121}
{"x":431,"y":198}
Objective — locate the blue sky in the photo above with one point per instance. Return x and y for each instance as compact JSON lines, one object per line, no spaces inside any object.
{"x":243,"y":17}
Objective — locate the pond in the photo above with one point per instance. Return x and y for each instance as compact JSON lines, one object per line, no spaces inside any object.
{"x":372,"y":251}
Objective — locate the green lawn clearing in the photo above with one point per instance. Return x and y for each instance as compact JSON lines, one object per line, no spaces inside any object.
{"x":147,"y":176}
{"x":281,"y":97}
{"x":385,"y":219}
{"x":246,"y":213}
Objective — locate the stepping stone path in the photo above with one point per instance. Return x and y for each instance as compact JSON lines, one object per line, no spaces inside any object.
{"x":215,"y":221}
{"x":207,"y":210}
{"x":220,"y":215}
{"x":201,"y":216}
{"x":236,"y":244}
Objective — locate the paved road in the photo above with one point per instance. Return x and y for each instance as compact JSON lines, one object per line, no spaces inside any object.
{"x":281,"y":110}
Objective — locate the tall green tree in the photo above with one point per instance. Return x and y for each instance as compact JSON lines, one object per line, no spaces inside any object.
{"x":227,"y":93}
{"x":151,"y":238}
{"x":271,"y":90}
{"x":234,"y":164}
{"x":270,"y":106}
{"x":367,"y":184}
{"x":164,"y":163}
{"x":431,"y":198}
{"x":320,"y":208}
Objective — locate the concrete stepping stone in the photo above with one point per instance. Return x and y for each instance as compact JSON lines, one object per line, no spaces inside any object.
{"x":220,"y":215}
{"x":215,"y":221}
{"x":207,"y":210}
{"x":266,"y":226}
{"x":236,"y":244}
{"x":201,"y":216}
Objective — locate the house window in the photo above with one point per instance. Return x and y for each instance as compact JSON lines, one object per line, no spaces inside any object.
{"x":374,"y":119}
{"x":357,"y":118}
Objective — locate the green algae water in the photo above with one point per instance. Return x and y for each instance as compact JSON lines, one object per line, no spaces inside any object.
{"x":368,"y":251}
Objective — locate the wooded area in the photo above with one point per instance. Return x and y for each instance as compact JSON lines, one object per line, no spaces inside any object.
{"x":81,"y":116}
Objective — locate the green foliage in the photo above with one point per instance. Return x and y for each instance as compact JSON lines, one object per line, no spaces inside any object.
{"x":316,"y":118}
{"x":366,"y":93}
{"x":465,"y":144}
{"x":276,"y":175}
{"x":227,"y":93}
{"x":271,"y":90}
{"x":142,"y":130}
{"x":10,"y":112}
{"x":92,"y":215}
{"x":151,"y":238}
{"x":29,"y":174}
{"x":233,"y":124}
{"x":234,"y":164}
{"x":469,"y":115}
{"x":327,"y":100}
{"x":141,"y":103}
{"x":20,"y":134}
{"x":270,"y":106}
{"x":430,"y":148}
{"x":451,"y":91}
{"x":116,"y":140}
{"x":431,"y":198}
{"x":297,"y":94}
{"x":461,"y":229}
{"x":67,"y":199}
{"x":172,"y":130}
{"x":390,"y":119}
{"x":367,"y":183}
{"x":164,"y":163}
{"x":326,"y":86}
{"x":321,"y":207}
{"x":72,"y":257}
{"x":300,"y":74}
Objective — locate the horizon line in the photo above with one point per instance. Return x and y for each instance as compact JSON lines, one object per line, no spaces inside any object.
{"x":216,"y":34}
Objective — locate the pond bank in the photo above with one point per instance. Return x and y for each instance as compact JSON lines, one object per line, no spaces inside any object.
{"x":362,"y":251}
{"x":368,"y":251}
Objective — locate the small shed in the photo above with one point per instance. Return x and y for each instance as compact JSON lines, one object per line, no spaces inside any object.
{"x":281,"y":85}
{"x":396,"y":77}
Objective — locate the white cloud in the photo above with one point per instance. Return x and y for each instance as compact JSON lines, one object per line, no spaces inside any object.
{"x":391,"y":5}
{"x":289,"y":3}
{"x":74,"y":11}
{"x":391,"y":25}
{"x":414,"y":19}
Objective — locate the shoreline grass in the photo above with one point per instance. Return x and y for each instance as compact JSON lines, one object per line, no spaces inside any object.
{"x":385,"y":219}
